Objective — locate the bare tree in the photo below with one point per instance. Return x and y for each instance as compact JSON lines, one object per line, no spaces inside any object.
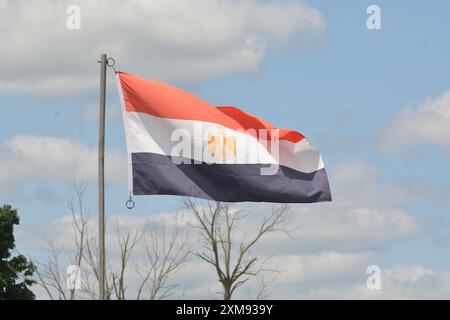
{"x":223,"y":249}
{"x":79,"y":224}
{"x":165,"y":249}
{"x":263,"y":286}
{"x":116,"y":283}
{"x":126,"y":245}
{"x":49,"y":274}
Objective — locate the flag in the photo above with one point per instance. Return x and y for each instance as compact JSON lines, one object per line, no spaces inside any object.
{"x":178,"y":144}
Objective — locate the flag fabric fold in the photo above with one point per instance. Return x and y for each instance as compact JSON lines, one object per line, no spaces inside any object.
{"x":178,"y":144}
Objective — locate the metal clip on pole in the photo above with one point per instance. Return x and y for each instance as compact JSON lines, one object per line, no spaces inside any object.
{"x":111,"y":63}
{"x":130,"y":203}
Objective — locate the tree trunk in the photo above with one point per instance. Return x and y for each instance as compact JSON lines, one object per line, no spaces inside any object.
{"x":226,"y":290}
{"x":227,"y":293}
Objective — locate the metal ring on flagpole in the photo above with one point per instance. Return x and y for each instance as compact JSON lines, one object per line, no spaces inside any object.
{"x":111,"y":63}
{"x":130,"y":203}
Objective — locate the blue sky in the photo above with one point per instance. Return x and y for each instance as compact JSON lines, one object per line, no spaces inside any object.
{"x":345,"y":87}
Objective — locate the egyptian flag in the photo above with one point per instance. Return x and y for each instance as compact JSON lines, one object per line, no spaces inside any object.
{"x":181,"y":145}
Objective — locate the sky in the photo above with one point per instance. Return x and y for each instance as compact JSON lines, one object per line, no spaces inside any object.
{"x":375,"y":102}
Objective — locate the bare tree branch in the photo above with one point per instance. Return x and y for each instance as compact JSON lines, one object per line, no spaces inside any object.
{"x":217,"y":224}
{"x":166,"y":250}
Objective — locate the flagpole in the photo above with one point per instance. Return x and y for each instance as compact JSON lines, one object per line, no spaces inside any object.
{"x":101,"y":177}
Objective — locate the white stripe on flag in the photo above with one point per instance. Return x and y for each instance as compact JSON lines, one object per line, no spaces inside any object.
{"x":146,"y":133}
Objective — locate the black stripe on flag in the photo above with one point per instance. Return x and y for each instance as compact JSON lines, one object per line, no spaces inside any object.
{"x":157,"y":174}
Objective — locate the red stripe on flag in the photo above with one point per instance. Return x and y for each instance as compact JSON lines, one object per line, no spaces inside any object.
{"x":165,"y":101}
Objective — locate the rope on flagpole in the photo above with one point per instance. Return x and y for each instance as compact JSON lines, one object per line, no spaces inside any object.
{"x":110,"y":62}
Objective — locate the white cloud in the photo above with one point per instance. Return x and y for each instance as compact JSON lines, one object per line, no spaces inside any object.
{"x":343,"y":230}
{"x":403,"y":282}
{"x":322,"y":229}
{"x":426,"y":124}
{"x":27,"y":158}
{"x":358,"y":183}
{"x":187,"y":40}
{"x":3,"y":5}
{"x":321,"y":267}
{"x":343,"y":276}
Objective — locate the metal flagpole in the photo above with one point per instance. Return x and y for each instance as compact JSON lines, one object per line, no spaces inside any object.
{"x":101,"y":177}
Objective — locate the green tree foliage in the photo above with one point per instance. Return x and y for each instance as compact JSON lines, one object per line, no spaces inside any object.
{"x":15,"y":271}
